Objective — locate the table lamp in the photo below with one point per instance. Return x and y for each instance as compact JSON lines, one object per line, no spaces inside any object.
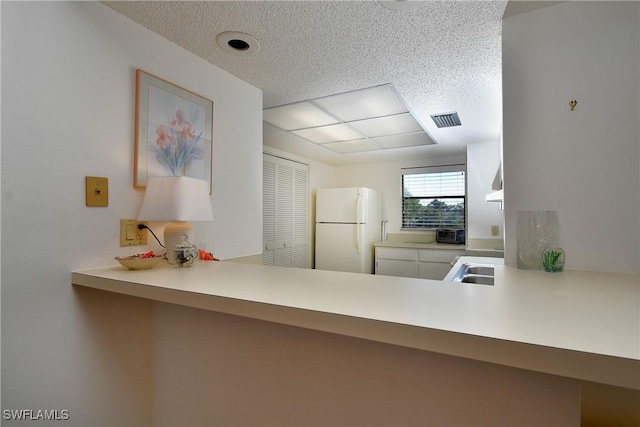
{"x":177,"y":199}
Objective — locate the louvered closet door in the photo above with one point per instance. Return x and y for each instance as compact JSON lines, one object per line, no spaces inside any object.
{"x":285,"y":212}
{"x":268,"y":209}
{"x":300,"y":243}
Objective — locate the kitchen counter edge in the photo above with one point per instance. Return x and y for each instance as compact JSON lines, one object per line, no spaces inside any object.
{"x":419,"y":245}
{"x":221,"y":286}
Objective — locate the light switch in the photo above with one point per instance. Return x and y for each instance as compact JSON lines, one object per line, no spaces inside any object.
{"x":130,"y":235}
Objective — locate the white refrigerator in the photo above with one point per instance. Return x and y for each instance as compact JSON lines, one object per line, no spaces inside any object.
{"x":348,"y":222}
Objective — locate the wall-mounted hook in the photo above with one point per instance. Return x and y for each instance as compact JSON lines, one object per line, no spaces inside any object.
{"x":573,"y":104}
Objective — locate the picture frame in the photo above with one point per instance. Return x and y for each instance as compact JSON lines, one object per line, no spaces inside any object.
{"x":173,"y":131}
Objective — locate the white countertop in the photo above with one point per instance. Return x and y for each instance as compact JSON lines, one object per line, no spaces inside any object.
{"x":472,"y":251}
{"x":582,"y":325}
{"x":418,"y":245}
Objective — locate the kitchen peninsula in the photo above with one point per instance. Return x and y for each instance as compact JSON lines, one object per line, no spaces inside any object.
{"x":581,"y":325}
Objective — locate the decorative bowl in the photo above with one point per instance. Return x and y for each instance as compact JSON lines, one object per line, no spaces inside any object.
{"x":135,"y":262}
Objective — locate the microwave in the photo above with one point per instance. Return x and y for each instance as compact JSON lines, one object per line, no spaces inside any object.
{"x":446,"y":235}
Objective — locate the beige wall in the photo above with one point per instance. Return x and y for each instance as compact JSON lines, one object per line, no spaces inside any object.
{"x":237,"y":371}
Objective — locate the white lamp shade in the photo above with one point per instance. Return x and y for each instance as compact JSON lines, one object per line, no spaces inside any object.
{"x":176,"y":198}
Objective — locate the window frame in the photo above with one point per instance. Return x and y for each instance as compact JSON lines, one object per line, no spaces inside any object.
{"x":461,"y":167}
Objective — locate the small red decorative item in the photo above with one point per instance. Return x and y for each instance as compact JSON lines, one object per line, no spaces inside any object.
{"x":149,"y":254}
{"x":207,"y":256}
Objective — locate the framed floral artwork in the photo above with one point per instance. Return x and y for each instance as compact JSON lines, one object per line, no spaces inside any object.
{"x":173,"y":131}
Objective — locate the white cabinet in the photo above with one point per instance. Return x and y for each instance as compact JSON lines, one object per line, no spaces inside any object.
{"x":436,"y":263}
{"x":411,"y":262}
{"x":285,"y":212}
{"x":396,"y":262}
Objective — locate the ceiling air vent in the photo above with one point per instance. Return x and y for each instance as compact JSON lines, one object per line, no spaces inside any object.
{"x":446,"y":120}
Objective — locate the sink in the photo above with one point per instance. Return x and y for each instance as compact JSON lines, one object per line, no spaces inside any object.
{"x":476,"y":274}
{"x":477,"y":279}
{"x":483,"y":270}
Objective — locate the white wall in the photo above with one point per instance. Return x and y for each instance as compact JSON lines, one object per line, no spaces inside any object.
{"x":387,"y":178}
{"x":582,"y":164}
{"x":68,"y":89}
{"x":483,"y":161}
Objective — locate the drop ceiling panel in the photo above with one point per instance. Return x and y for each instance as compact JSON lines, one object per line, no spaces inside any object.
{"x":407,"y":140}
{"x":297,"y":116}
{"x":384,"y":126}
{"x":352,"y":146}
{"x":331,"y":133}
{"x":380,"y":111}
{"x":376,"y":101}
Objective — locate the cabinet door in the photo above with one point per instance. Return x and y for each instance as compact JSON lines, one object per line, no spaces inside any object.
{"x":433,"y":270}
{"x":439,"y":255}
{"x":397,"y":253}
{"x":395,"y":267}
{"x":401,"y":262}
{"x":435,"y":263}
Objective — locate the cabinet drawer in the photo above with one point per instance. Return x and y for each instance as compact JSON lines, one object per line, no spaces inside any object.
{"x":439,"y":255}
{"x":397,"y":253}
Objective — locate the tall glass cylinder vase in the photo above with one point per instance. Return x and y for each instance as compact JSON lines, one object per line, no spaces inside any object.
{"x":536,"y":231}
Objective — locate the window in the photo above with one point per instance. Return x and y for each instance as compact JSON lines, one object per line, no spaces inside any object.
{"x":433,"y":197}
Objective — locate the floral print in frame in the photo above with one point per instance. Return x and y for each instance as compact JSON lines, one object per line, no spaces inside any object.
{"x":173,"y":135}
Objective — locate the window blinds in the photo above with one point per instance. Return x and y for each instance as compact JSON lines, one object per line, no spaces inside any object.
{"x":434,"y":199}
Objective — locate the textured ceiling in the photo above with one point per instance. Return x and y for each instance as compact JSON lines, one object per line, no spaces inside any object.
{"x":440,"y":56}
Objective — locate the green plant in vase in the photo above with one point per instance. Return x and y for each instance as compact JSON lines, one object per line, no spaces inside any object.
{"x":553,"y":259}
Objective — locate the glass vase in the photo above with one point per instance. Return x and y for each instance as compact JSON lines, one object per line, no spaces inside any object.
{"x":553,"y":259}
{"x":536,"y":230}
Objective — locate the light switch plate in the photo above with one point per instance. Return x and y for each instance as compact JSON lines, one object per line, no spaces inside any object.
{"x":495,"y":230}
{"x":129,"y":233}
{"x":97,"y":189}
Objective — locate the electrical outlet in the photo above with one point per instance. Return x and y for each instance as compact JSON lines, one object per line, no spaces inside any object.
{"x":495,"y":230}
{"x":130,"y":235}
{"x":97,"y":191}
